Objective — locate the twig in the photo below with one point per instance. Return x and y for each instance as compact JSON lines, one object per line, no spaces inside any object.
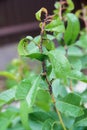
{"x":71,"y":88}
{"x":60,"y":12}
{"x":41,"y":49}
{"x":84,"y":11}
{"x":58,"y":113}
{"x":49,"y":86}
{"x":66,"y":50}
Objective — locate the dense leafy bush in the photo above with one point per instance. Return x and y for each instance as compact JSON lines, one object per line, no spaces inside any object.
{"x":47,"y":99}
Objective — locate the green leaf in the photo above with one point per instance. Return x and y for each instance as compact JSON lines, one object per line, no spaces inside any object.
{"x":58,"y":89}
{"x":7,"y":75}
{"x":23,"y":89}
{"x":4,"y":124}
{"x":55,"y":26}
{"x":78,"y":13}
{"x":37,"y":40}
{"x":22,"y":46}
{"x":75,"y":63}
{"x":84,"y":61}
{"x":73,"y":99}
{"x":59,"y":38}
{"x":68,"y":121}
{"x":39,"y":13}
{"x":17,"y":127}
{"x":70,"y":6}
{"x":24,"y":115}
{"x":29,"y":38}
{"x":31,"y":96}
{"x":69,"y":109}
{"x":75,"y":51}
{"x":7,"y":117}
{"x":7,"y":96}
{"x":75,"y":74}
{"x":59,"y":63}
{"x":72,"y":30}
{"x":57,"y":5}
{"x":43,"y":100}
{"x":50,"y":37}
{"x":49,"y":45}
{"x":82,"y":122}
{"x":30,"y":50}
{"x":82,"y":42}
{"x":47,"y":124}
{"x":84,"y":96}
{"x":37,"y":119}
{"x":42,"y":116}
{"x":75,"y":55}
{"x":36,"y":125}
{"x":61,"y":50}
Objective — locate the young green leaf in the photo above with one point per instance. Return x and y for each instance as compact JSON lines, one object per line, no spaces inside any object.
{"x":75,"y":74}
{"x":39,"y":13}
{"x":69,"y":109}
{"x":48,"y":124}
{"x":42,"y":116}
{"x":84,"y":96}
{"x":82,"y":42}
{"x":22,"y":46}
{"x":37,"y":40}
{"x":30,"y":50}
{"x":29,"y":38}
{"x":70,"y":6}
{"x":84,"y":61}
{"x":24,"y":115}
{"x":75,"y":63}
{"x":50,"y":37}
{"x":59,"y":63}
{"x":78,"y":13}
{"x":7,"y":75}
{"x":73,"y":99}
{"x":58,"y":89}
{"x":7,"y":117}
{"x":31,"y":96}
{"x":75,"y":51}
{"x":55,"y":26}
{"x":72,"y":30}
{"x":43,"y":99}
{"x":23,"y":89}
{"x":49,"y":45}
{"x":7,"y":96}
{"x":68,"y":121}
{"x":34,"y":52}
{"x":82,"y":122}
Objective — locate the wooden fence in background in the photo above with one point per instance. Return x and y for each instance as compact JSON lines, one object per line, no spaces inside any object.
{"x":17,"y":17}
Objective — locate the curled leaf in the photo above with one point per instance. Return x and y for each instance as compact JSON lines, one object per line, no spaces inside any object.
{"x":78,"y":13}
{"x":70,"y":5}
{"x":72,"y":30}
{"x":22,"y":46}
{"x":30,"y":50}
{"x":39,"y":13}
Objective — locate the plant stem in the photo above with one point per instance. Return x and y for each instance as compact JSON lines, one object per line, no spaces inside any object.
{"x":71,"y":88}
{"x":54,"y":101}
{"x":66,"y":50}
{"x":58,"y":113}
{"x":84,"y":11}
{"x":41,"y":49}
